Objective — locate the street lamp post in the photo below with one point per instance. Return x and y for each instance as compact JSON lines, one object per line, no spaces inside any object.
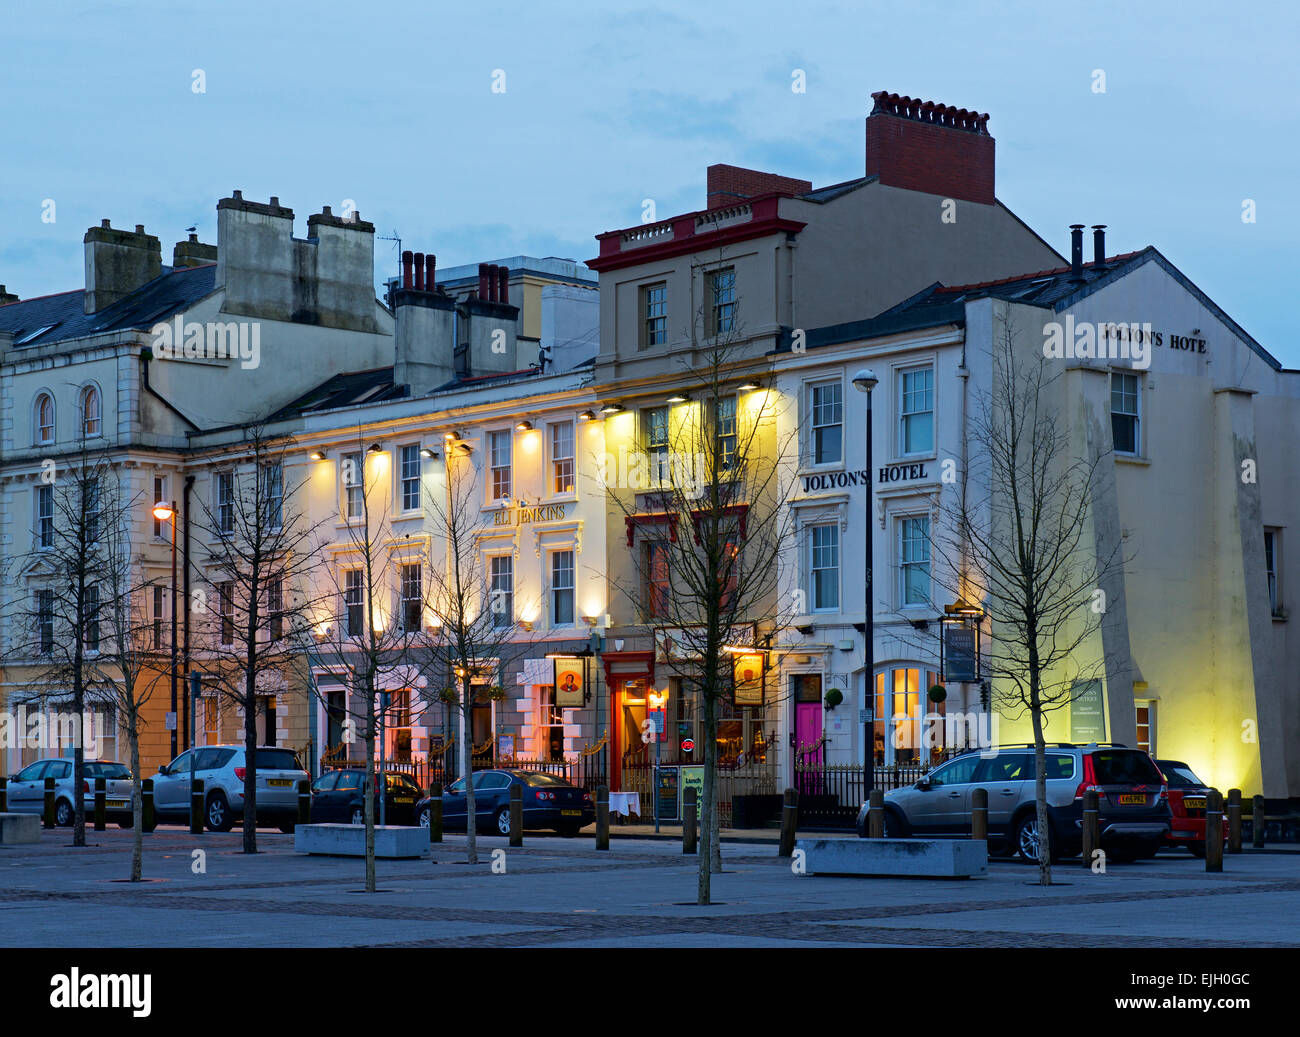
{"x":165,"y":512}
{"x":866,"y":380}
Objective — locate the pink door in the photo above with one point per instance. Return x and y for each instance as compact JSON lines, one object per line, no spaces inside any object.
{"x":808,"y":746}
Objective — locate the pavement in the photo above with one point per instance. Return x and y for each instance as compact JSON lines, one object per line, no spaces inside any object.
{"x":202,"y":891}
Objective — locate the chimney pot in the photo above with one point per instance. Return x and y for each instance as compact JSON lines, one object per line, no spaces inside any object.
{"x":503,"y":291}
{"x":325,"y":211}
{"x":1099,"y":245}
{"x":139,"y":228}
{"x":482,"y":281}
{"x":1076,"y":251}
{"x":406,"y":269}
{"x":275,"y":202}
{"x":238,"y":195}
{"x":431,"y":263}
{"x":419,"y":271}
{"x":105,"y":224}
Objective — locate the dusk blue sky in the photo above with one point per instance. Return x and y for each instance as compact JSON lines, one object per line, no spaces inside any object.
{"x":390,"y":104}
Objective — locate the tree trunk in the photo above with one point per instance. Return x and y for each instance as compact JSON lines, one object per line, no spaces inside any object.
{"x":250,"y":767}
{"x":370,"y":796}
{"x":1040,"y":787}
{"x":709,"y":807}
{"x":137,"y":802}
{"x":467,"y":771}
{"x":78,"y":751}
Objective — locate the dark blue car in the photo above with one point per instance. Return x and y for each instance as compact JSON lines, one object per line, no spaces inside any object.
{"x":548,"y":801}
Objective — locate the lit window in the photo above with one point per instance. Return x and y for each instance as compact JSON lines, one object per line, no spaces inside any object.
{"x":353,"y":479}
{"x":44,"y":418}
{"x":562,"y":457}
{"x":725,"y":430}
{"x":90,"y":415}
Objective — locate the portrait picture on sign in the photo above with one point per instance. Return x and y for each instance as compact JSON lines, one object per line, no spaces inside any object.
{"x":748,"y":679}
{"x":569,"y":689}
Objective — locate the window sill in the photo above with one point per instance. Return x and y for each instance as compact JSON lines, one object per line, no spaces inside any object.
{"x":1136,"y":459}
{"x":1279,"y":617}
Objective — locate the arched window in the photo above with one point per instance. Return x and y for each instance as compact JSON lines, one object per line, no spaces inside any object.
{"x":90,"y":416}
{"x":44,"y":418}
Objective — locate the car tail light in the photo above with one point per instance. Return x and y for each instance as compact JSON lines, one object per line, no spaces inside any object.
{"x":586,"y":797}
{"x":85,"y":787}
{"x":240,"y":772}
{"x":545,"y":795}
{"x":1164,"y":793}
{"x":1089,"y":779}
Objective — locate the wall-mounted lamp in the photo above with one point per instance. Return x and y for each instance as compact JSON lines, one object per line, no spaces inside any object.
{"x":806,"y":631}
{"x":750,"y":387}
{"x":374,"y":448}
{"x":524,"y":426}
{"x":428,"y":452}
{"x":611,"y":408}
{"x":318,"y":455}
{"x":587,"y":415}
{"x":679,"y":397}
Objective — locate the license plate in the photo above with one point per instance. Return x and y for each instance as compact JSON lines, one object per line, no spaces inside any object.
{"x":279,"y":783}
{"x":1194,"y":804}
{"x":404,"y":800}
{"x":1137,"y":800}
{"x":116,"y":804}
{"x":570,"y":813}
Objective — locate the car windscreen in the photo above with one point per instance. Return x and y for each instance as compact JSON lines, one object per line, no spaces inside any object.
{"x":538,"y":778}
{"x":1125,"y":767}
{"x":404,"y":782}
{"x":277,"y":760}
{"x":1181,"y":777}
{"x":95,"y":769}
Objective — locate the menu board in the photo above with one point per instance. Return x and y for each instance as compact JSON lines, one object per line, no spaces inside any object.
{"x":667,"y":793}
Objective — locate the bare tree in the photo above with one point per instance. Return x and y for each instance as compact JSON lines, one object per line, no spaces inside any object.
{"x":371,"y":637}
{"x":472,"y":632}
{"x":62,"y":627}
{"x":1023,"y":539}
{"x":256,"y":580}
{"x":716,"y":531}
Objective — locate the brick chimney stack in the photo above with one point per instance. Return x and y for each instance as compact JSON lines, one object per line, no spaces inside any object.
{"x":928,"y":147}
{"x":117,"y":263}
{"x":730,"y":185}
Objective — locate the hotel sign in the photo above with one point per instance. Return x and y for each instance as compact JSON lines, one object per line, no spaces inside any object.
{"x":524,"y":516}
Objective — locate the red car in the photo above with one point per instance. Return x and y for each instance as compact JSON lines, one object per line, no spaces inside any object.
{"x":1187,"y":804}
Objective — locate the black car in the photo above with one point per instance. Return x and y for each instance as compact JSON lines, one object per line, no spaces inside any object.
{"x":548,"y":802}
{"x":340,"y":796}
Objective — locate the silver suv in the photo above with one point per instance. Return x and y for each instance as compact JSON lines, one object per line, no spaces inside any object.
{"x":1132,"y":796}
{"x":221,"y":769}
{"x":27,"y":789}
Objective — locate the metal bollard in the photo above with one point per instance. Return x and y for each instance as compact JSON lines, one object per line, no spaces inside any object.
{"x":148,"y":822}
{"x":1214,"y":830}
{"x":100,"y":805}
{"x":4,"y":795}
{"x":304,"y":802}
{"x":689,"y":834}
{"x":435,"y":813}
{"x":1091,"y":827}
{"x":979,"y":814}
{"x":516,"y":815}
{"x":876,"y":814}
{"x":1258,"y":824}
{"x":789,"y":822}
{"x":1234,"y":820}
{"x":602,"y":817}
{"x":196,"y":807}
{"x":49,"y":803}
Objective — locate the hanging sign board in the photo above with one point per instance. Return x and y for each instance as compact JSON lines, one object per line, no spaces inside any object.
{"x":569,"y":690}
{"x":747,"y":679}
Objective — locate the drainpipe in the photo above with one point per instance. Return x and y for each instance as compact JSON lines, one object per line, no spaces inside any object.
{"x":185,"y":646}
{"x":963,"y":372}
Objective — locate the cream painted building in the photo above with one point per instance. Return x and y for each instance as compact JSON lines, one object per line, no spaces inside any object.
{"x":1193,"y":426}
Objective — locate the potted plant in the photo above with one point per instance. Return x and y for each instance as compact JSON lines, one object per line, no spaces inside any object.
{"x":833,"y":698}
{"x":937,"y":693}
{"x":448,"y":695}
{"x":497,"y":693}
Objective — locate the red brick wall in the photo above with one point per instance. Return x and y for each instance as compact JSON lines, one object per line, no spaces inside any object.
{"x":731,"y":184}
{"x":920,"y":156}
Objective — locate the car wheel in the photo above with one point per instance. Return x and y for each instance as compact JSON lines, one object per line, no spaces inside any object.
{"x":288,"y":828}
{"x":1197,"y":849}
{"x":422,"y":819}
{"x":63,"y":814}
{"x":568,"y":831}
{"x":1025,"y":842}
{"x":503,"y":820}
{"x":358,"y":815}
{"x":126,"y":824}
{"x":217,"y":813}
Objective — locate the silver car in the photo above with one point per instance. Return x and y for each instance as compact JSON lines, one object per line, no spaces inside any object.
{"x":27,"y":789}
{"x":1133,"y":799}
{"x":221,"y":769}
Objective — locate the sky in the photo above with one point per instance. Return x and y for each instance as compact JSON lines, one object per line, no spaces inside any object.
{"x":482,"y":130}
